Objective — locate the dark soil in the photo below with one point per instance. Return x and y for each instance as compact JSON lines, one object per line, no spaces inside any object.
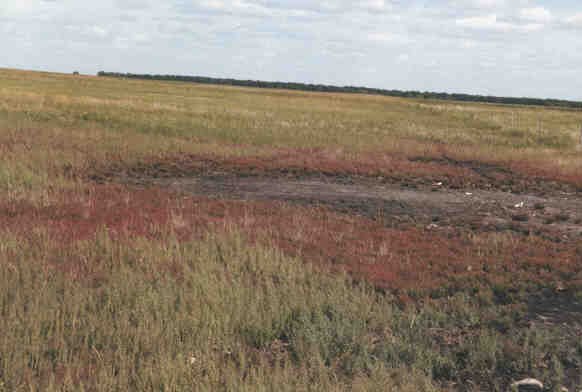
{"x":555,"y":307}
{"x":435,"y":207}
{"x":503,"y":178}
{"x":402,"y":171}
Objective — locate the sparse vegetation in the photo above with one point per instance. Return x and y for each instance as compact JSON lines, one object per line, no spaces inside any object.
{"x":108,"y":284}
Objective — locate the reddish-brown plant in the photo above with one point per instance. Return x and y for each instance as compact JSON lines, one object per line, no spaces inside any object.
{"x":389,"y":258}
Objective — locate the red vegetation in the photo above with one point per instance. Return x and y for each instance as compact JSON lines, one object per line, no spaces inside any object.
{"x":298,"y":162}
{"x":534,"y":170}
{"x":389,"y":258}
{"x":521,"y":176}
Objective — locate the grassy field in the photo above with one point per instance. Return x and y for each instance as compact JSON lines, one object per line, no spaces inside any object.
{"x":53,"y":124}
{"x":107,"y":286}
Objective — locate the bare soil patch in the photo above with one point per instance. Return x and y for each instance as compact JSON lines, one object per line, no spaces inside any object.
{"x":430,"y":192}
{"x":556,"y":216}
{"x":389,"y":258}
{"x":514,"y":177}
{"x":556,"y":308}
{"x":336,"y":166}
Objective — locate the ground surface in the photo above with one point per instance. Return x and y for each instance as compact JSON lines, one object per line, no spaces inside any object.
{"x":548,"y":210}
{"x":294,"y":240}
{"x":556,"y":215}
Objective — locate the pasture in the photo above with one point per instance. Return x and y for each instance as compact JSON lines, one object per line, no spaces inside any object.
{"x":174,"y":236}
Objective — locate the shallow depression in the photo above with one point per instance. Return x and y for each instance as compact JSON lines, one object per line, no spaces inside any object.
{"x":558,"y":216}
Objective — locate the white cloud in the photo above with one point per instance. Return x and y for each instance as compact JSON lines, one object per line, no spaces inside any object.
{"x":403,"y":58}
{"x":98,"y":31}
{"x":574,"y":20}
{"x":376,"y":5}
{"x":467,"y":44}
{"x":385,"y":37}
{"x":487,"y":3}
{"x":18,"y":7}
{"x":536,"y":14}
{"x":484,"y":22}
{"x":492,"y":23}
{"x":490,"y":5}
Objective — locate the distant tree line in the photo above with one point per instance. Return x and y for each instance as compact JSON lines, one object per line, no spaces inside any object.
{"x":350,"y":89}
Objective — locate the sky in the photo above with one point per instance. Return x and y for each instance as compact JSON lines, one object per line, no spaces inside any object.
{"x":497,"y":47}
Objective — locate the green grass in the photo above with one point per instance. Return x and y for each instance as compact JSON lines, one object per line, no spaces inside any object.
{"x":135,"y":326}
{"x":218,"y":314}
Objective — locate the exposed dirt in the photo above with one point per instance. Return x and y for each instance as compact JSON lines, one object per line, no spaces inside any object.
{"x":519,"y":178}
{"x":434,"y":192}
{"x":392,"y":169}
{"x":431,"y":262}
{"x":556,"y":308}
{"x":490,"y":198}
{"x":557,"y":216}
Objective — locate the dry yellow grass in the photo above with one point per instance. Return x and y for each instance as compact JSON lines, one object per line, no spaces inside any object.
{"x":49,"y":122}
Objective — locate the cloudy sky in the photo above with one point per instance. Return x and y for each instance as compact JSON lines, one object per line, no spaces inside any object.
{"x":499,"y":47}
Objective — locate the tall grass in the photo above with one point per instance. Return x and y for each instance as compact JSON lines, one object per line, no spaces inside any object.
{"x":218,"y":314}
{"x":202,"y":315}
